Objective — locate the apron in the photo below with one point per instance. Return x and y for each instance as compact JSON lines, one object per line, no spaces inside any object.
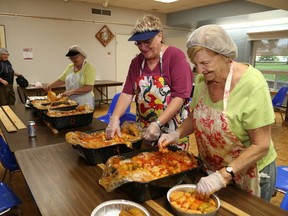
{"x":152,"y":97}
{"x":72,"y":81}
{"x":217,"y":145}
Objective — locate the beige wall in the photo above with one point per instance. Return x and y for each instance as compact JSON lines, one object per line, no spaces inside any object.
{"x":59,"y":25}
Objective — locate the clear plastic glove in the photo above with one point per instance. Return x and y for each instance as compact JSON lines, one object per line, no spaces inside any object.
{"x":167,"y":139}
{"x":113,"y":127}
{"x":209,"y":184}
{"x":68,"y":93}
{"x":47,"y":88}
{"x":153,"y":132}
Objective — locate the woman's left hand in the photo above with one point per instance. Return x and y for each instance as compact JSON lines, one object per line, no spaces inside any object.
{"x":210,"y":184}
{"x":153,"y":132}
{"x":67,"y":93}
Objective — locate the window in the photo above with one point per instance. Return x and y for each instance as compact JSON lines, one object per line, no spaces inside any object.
{"x":270,"y":56}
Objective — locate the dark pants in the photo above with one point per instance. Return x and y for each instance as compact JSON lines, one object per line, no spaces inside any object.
{"x":7,"y":95}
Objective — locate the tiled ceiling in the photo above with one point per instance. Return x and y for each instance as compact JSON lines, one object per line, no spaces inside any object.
{"x":154,"y":6}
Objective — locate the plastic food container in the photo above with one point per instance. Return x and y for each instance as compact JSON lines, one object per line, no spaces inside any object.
{"x":69,"y":121}
{"x":101,"y":155}
{"x":41,"y":108}
{"x":44,"y":104}
{"x":114,"y":207}
{"x":187,"y":187}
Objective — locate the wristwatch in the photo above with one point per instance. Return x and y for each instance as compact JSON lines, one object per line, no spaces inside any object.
{"x":159,"y":124}
{"x":230,"y":171}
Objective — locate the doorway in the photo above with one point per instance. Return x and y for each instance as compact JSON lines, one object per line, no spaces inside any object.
{"x":125,"y":52}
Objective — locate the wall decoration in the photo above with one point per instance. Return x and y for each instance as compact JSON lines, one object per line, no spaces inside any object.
{"x":2,"y":37}
{"x":104,"y":35}
{"x":27,"y":53}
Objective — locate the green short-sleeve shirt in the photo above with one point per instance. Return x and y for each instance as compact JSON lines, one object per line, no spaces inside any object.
{"x":88,"y":74}
{"x":249,"y":106}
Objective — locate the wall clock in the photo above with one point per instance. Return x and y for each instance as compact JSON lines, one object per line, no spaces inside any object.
{"x":104,"y":35}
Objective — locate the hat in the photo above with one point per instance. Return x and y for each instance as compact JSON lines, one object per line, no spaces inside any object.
{"x":75,"y":50}
{"x":215,"y":38}
{"x":142,"y":36}
{"x":146,"y":27}
{"x":3,"y":50}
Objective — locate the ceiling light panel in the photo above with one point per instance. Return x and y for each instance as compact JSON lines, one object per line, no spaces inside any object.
{"x":166,"y":1}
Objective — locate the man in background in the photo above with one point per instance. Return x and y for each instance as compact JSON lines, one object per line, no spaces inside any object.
{"x":7,"y":94}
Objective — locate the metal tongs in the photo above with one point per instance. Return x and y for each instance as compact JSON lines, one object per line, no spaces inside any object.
{"x":55,"y":100}
{"x":59,"y":97}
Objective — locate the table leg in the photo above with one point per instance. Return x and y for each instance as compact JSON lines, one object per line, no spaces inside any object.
{"x":286,"y":114}
{"x":100,"y":90}
{"x":101,"y":96}
{"x":106,"y":88}
{"x":22,"y":95}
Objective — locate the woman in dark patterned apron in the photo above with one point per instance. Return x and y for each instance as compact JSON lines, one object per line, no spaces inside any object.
{"x":231,"y":118}
{"x":160,"y":78}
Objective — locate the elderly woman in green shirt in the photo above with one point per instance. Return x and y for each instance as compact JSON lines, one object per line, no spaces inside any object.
{"x":231,"y":118}
{"x":79,"y":78}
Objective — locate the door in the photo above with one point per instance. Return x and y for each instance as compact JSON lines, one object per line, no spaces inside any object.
{"x":125,"y":52}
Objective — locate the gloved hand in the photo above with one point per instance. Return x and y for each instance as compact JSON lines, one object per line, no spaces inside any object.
{"x":47,"y":88}
{"x":167,"y":139}
{"x":68,"y":93}
{"x":153,"y":132}
{"x":113,"y":127}
{"x":209,"y":184}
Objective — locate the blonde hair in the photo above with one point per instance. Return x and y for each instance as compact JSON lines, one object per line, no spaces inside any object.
{"x":191,"y":52}
{"x":147,"y":23}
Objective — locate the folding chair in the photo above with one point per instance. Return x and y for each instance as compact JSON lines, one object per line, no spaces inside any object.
{"x":282,"y":184}
{"x":128,"y":116}
{"x":278,"y":101}
{"x":8,"y":199}
{"x":8,"y":160}
{"x":284,"y":203}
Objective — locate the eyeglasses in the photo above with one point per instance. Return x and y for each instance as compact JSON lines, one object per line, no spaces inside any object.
{"x":146,"y":43}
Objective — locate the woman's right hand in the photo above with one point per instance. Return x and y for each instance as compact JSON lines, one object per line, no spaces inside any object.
{"x":47,"y":88}
{"x":210,"y":184}
{"x":113,"y":127}
{"x":4,"y":82}
{"x":167,"y":139}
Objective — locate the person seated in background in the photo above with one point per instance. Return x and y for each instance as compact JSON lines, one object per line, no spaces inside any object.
{"x":231,"y":117}
{"x":7,"y":94}
{"x":78,"y":77}
{"x":161,"y":79}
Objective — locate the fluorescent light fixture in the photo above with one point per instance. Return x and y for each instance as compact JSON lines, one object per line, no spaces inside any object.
{"x":105,"y":3}
{"x":166,"y":1}
{"x":255,"y":23}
